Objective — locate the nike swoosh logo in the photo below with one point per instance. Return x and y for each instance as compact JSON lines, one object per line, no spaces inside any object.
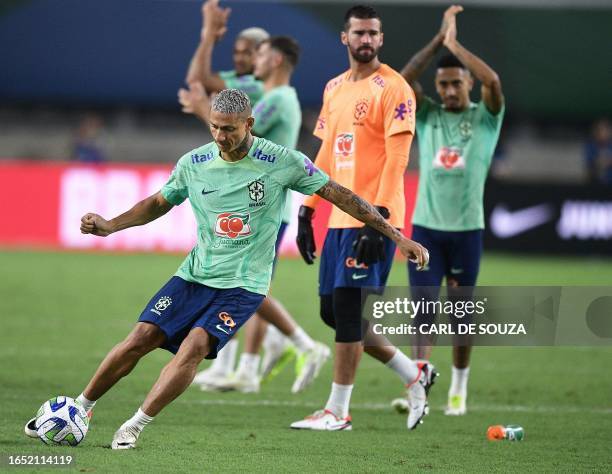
{"x":358,"y":277}
{"x":222,"y":329}
{"x":506,"y":224}
{"x":208,"y":192}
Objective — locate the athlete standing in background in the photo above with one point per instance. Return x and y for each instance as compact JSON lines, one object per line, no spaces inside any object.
{"x":457,"y":139}
{"x":366,"y":126}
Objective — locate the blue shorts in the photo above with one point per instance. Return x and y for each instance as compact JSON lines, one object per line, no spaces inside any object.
{"x":454,"y":255}
{"x":338,"y":268}
{"x":179,"y":306}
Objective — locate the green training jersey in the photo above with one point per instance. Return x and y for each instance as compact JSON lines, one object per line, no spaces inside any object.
{"x":246,"y":83}
{"x":278,"y":118}
{"x":455,"y":151}
{"x":238,"y":207}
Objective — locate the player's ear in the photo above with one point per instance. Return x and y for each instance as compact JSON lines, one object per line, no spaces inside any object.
{"x":250,"y":121}
{"x":382,"y":37}
{"x":344,"y":38}
{"x":278,"y":59}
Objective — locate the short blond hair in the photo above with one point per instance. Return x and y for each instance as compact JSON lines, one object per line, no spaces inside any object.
{"x":255,"y":34}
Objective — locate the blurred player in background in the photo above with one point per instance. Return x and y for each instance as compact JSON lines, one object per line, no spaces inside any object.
{"x":366,"y":126}
{"x":457,"y":139}
{"x":213,"y":293}
{"x":598,"y":153}
{"x":214,"y":26}
{"x":278,"y":117}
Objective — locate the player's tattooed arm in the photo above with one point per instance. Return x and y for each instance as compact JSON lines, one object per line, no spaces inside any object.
{"x":362,"y":210}
{"x":143,"y":212}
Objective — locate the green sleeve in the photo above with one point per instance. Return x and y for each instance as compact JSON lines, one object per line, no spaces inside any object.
{"x":488,"y":119}
{"x":301,"y":174}
{"x":175,"y":191}
{"x":267,"y":113}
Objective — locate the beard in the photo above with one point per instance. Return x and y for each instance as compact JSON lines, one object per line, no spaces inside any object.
{"x":364,"y":54}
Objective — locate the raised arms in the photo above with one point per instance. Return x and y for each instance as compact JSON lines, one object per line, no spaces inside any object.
{"x":491,"y":89}
{"x":419,"y":62}
{"x":214,"y":21}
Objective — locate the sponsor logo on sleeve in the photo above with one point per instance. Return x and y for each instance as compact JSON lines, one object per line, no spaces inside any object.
{"x":401,"y":111}
{"x":309,"y":167}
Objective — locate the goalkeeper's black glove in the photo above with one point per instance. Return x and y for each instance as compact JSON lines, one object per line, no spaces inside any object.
{"x":369,"y":245}
{"x":305,"y":235}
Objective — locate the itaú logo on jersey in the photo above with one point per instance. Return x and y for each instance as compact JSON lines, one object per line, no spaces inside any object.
{"x":345,"y":144}
{"x":233,"y":225}
{"x":449,"y":158}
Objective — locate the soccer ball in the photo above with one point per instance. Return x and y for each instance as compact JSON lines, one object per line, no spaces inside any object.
{"x":62,"y":421}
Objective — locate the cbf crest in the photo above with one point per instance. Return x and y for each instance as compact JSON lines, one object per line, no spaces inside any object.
{"x":465,"y":130}
{"x":256,"y":190}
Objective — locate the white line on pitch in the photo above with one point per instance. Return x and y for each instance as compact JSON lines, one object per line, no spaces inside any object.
{"x":387,"y":406}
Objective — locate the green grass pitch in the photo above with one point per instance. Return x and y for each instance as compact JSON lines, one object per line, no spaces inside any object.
{"x":61,"y":313}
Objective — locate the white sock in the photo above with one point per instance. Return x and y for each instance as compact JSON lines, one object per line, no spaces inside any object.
{"x":249,"y":363}
{"x":459,"y":381}
{"x":339,"y":400}
{"x":302,"y":341}
{"x":403,"y":366}
{"x":87,"y":404}
{"x":226,"y":358}
{"x":273,"y":338}
{"x":138,"y":421}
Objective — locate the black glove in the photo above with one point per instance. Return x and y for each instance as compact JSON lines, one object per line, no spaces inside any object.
{"x":305,"y":235}
{"x":369,"y":245}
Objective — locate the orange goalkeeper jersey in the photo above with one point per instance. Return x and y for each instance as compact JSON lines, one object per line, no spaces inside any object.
{"x":355,"y":122}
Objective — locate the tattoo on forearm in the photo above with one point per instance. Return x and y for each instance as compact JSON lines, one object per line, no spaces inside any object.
{"x":357,"y":207}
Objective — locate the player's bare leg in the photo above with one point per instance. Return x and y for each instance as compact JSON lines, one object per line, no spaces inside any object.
{"x":173,"y":380}
{"x":123,"y":358}
{"x":311,"y":355}
{"x":462,"y":349}
{"x":418,"y":377}
{"x":254,"y":333}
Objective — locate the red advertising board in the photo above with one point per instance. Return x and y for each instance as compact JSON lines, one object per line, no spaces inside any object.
{"x":42,"y":204}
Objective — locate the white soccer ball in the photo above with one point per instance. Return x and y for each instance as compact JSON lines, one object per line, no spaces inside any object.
{"x":62,"y":421}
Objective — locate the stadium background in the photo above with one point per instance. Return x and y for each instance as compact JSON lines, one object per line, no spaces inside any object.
{"x":66,"y":63}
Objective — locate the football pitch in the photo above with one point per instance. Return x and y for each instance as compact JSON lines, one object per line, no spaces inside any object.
{"x":61,"y":313}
